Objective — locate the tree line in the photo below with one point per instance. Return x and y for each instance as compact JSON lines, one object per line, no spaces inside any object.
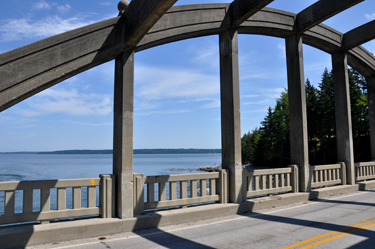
{"x":269,"y":145}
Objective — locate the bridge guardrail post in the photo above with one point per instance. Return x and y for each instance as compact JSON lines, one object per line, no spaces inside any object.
{"x":222,"y":186}
{"x":138,"y":188}
{"x":244,"y":184}
{"x":294,"y":177}
{"x":106,"y":196}
{"x":343,"y":173}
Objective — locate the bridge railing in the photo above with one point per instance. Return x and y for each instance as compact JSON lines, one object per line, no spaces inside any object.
{"x":364,"y":171}
{"x":270,"y":181}
{"x":328,"y":175}
{"x":178,"y":190}
{"x":35,"y":199}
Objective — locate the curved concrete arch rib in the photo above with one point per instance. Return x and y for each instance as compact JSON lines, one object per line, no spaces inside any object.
{"x":28,"y":70}
{"x":38,"y":66}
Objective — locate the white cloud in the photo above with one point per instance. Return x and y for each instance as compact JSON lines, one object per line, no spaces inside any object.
{"x":213,"y":104}
{"x":41,"y":5}
{"x":370,"y":16}
{"x":69,"y":102}
{"x":253,"y":111}
{"x":17,"y":29}
{"x":260,"y":102}
{"x":156,"y":83}
{"x":162,"y":112}
{"x":281,"y":48}
{"x":251,"y":96}
{"x":206,"y":56}
{"x":64,"y":8}
{"x":87,"y":124}
{"x":16,"y":135}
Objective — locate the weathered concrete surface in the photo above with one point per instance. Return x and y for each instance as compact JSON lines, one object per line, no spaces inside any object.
{"x":328,"y":192}
{"x":230,"y":113}
{"x":299,"y":151}
{"x":320,"y":11}
{"x":140,"y":16}
{"x":73,"y":52}
{"x":344,"y":135}
{"x":359,"y":35}
{"x":123,"y":134}
{"x":20,"y":236}
{"x":241,"y":10}
{"x":366,"y":185}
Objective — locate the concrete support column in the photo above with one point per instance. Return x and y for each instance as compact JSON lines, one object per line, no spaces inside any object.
{"x":344,"y":137}
{"x":123,"y":134}
{"x":230,"y":113}
{"x":299,"y":152}
{"x":371,"y":112}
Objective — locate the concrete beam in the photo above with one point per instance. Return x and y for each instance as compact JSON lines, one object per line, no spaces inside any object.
{"x":344,"y":137}
{"x":140,"y":16}
{"x":28,"y":70}
{"x":320,"y":11}
{"x":230,"y":113}
{"x":123,"y":134}
{"x":371,"y":112}
{"x":299,"y":152}
{"x":241,"y":10}
{"x":359,"y":35}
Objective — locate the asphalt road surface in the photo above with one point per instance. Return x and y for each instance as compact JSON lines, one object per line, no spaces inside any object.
{"x":344,"y":222}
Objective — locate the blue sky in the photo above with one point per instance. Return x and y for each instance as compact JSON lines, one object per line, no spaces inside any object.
{"x":177,"y":99}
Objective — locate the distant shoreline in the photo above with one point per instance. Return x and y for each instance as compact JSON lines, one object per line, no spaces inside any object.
{"x":136,"y":151}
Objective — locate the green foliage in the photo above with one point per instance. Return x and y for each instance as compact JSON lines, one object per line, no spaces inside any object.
{"x":270,"y":144}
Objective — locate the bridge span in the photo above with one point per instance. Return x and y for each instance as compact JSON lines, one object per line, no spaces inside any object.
{"x":125,"y":201}
{"x":341,"y":222}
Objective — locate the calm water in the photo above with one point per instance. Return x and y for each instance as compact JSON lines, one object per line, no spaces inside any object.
{"x":23,"y":167}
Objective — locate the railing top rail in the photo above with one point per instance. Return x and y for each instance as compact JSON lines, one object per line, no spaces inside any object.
{"x":328,"y":166}
{"x":44,"y":184}
{"x":182,"y":177}
{"x":360,"y":164}
{"x":257,"y":172}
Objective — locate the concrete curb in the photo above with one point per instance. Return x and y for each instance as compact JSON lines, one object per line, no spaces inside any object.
{"x":27,"y":235}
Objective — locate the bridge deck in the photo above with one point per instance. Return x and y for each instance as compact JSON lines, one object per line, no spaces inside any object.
{"x":314,"y":222}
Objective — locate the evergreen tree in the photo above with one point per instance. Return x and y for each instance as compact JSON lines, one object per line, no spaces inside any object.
{"x":313,"y":120}
{"x":270,"y":144}
{"x":327,"y":127}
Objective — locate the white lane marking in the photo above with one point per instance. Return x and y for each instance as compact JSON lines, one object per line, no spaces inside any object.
{"x":213,"y":223}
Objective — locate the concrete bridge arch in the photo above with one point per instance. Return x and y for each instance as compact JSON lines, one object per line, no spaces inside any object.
{"x":145,"y":24}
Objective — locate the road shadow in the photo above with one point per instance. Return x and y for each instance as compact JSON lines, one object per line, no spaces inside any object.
{"x":329,"y":227}
{"x":346,"y":202}
{"x":160,"y":237}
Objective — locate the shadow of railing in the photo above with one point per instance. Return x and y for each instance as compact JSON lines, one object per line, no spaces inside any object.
{"x":172,"y":241}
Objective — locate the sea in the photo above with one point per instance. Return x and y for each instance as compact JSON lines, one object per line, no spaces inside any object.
{"x":25,"y":167}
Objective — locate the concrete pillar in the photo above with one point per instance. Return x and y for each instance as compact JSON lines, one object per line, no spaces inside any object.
{"x":371,"y":112}
{"x":230,"y":113}
{"x":344,"y":137}
{"x":123,"y":134}
{"x":299,"y":152}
